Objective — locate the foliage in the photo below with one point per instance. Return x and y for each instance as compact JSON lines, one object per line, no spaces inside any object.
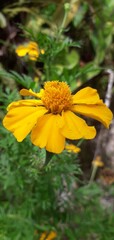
{"x":40,"y":191}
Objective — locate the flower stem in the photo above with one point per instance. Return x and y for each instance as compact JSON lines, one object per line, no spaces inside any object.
{"x":94,"y":170}
{"x":66,"y":7}
{"x":80,"y":142}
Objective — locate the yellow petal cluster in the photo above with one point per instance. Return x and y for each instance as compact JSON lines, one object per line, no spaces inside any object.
{"x":54,"y":115}
{"x":31,"y":49}
{"x":72,"y":148}
{"x":97,"y":162}
{"x":45,"y":236}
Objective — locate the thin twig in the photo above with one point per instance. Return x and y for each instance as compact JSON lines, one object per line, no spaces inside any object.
{"x":109,"y":88}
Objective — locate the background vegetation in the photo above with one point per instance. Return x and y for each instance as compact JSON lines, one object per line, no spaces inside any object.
{"x":78,"y":39}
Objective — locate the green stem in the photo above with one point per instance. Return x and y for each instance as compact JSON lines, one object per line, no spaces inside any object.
{"x":62,"y":25}
{"x":80,"y":142}
{"x":47,"y":70}
{"x":94,"y":170}
{"x":66,"y":7}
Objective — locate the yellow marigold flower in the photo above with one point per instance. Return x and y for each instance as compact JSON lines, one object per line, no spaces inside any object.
{"x":45,"y":236}
{"x":72,"y":148}
{"x":52,"y":235}
{"x":52,"y":117}
{"x":31,"y":49}
{"x":98,"y":162}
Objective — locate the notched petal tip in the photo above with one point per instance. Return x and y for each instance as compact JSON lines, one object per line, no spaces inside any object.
{"x":100,"y":112}
{"x":21,"y":120}
{"x":46,"y":133}
{"x":76,"y":128}
{"x":109,"y":117}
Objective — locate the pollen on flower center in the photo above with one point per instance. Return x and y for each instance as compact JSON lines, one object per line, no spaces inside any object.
{"x":57,"y":96}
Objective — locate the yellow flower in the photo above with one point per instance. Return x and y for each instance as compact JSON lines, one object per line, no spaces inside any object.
{"x":53,"y":116}
{"x":43,"y":236}
{"x":52,"y":235}
{"x":31,"y":49}
{"x":98,"y":162}
{"x":72,"y":148}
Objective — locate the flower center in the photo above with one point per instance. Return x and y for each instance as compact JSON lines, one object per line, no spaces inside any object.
{"x":57,"y":96}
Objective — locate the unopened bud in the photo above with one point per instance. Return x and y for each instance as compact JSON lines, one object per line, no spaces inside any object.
{"x":67,"y":6}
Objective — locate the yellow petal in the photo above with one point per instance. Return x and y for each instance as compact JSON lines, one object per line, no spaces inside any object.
{"x":32,"y":45}
{"x":22,"y":50}
{"x":32,"y":58}
{"x":42,"y":51}
{"x":33,"y":54}
{"x":99,"y":112}
{"x":43,"y":236}
{"x":72,"y":148}
{"x":31,"y":48}
{"x":26,"y":92}
{"x":52,"y":235}
{"x":21,"y":120}
{"x":86,"y":95}
{"x":75,"y":127}
{"x":27,"y":102}
{"x":46,"y":133}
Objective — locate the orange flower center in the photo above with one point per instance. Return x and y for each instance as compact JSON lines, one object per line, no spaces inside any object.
{"x":57,"y":96}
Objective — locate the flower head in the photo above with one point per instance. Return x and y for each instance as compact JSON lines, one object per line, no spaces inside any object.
{"x":53,"y":115}
{"x":31,"y":49}
{"x":48,"y":236}
{"x":97,"y":162}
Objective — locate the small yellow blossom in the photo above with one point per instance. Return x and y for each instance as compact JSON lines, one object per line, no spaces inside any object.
{"x":97,"y":162}
{"x":31,"y":49}
{"x":53,"y":115}
{"x":42,"y":51}
{"x":45,"y":236}
{"x":72,"y":148}
{"x":52,"y":235}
